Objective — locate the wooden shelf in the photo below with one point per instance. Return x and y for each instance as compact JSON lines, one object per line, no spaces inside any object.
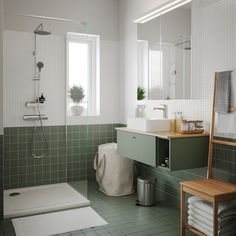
{"x":211,"y":190}
{"x":196,"y":231}
{"x":197,"y":131}
{"x":192,"y":121}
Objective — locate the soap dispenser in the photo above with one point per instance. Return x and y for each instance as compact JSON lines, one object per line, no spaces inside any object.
{"x":137,"y":111}
{"x":173,"y":123}
{"x":179,"y":117}
{"x":140,"y":111}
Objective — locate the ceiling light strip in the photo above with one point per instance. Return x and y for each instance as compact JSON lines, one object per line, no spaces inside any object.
{"x":160,"y":11}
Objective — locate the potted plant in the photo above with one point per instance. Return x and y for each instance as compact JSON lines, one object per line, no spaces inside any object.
{"x":140,"y":93}
{"x":76,"y":93}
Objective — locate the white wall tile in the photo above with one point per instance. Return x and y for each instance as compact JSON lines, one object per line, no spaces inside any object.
{"x":19,"y":84}
{"x":191,"y":109}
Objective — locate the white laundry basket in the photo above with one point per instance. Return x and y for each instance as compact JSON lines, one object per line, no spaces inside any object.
{"x":114,"y":173}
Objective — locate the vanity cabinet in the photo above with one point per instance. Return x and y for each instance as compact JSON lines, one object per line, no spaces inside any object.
{"x":183,"y":151}
{"x":188,"y":153}
{"x":139,"y":147}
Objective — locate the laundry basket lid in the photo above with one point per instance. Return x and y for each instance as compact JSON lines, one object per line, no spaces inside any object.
{"x":107,"y":147}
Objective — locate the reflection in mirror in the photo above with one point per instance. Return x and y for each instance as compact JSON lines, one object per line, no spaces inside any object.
{"x":164,"y":55}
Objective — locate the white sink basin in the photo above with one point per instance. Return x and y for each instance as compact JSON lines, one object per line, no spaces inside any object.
{"x":148,"y":125}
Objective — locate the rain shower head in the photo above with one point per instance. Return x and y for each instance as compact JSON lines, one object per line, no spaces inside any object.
{"x":188,"y":48}
{"x":40,"y":65}
{"x":40,"y":31}
{"x":185,"y":45}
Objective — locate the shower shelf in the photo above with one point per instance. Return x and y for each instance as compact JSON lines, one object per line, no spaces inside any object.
{"x":34,"y":117}
{"x":33,"y":104}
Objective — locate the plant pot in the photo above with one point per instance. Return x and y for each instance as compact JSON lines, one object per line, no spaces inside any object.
{"x":76,"y":110}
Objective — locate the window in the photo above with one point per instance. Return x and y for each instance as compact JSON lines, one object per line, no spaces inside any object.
{"x":83,"y":74}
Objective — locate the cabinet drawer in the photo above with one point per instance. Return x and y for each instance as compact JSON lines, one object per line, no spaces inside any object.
{"x":138,"y":147}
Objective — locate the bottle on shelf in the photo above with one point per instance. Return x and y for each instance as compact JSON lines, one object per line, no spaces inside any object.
{"x":179,"y":117}
{"x":41,"y":99}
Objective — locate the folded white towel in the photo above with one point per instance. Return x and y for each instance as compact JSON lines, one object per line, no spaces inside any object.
{"x":224,"y":217}
{"x":229,"y":230}
{"x":199,"y":227}
{"x":193,"y":216}
{"x":196,"y":211}
{"x":204,"y":220}
{"x":231,"y":213}
{"x":201,"y":222}
{"x":208,"y":219}
{"x":228,"y":234}
{"x":227,"y":220}
{"x":207,"y":207}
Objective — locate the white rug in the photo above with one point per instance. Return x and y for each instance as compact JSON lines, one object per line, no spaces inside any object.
{"x":42,"y":199}
{"x":57,"y":222}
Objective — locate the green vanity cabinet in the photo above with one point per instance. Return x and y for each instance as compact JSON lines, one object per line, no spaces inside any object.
{"x":184,"y":152}
{"x":139,"y":147}
{"x":188,"y":153}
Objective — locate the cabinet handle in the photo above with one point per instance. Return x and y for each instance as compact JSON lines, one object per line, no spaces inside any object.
{"x":134,"y":138}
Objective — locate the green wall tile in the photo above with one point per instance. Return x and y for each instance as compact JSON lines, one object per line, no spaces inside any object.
{"x":69,"y":159}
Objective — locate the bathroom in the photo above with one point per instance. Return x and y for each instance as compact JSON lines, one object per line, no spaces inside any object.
{"x":45,"y":141}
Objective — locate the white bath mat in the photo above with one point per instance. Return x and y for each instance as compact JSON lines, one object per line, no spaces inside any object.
{"x":42,"y":199}
{"x":57,"y":222}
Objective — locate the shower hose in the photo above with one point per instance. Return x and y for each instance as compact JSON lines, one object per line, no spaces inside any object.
{"x":36,"y":156}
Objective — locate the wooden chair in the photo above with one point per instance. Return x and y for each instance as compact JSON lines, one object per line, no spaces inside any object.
{"x":211,"y":190}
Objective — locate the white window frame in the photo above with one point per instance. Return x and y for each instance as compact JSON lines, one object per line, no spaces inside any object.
{"x":94,"y":71}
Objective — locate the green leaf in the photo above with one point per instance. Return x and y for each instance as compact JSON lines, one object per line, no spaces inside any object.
{"x":140,"y":93}
{"x":76,"y":93}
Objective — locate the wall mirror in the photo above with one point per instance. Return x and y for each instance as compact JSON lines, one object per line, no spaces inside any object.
{"x":164,"y":54}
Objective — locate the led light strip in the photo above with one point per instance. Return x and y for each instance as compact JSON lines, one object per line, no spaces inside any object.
{"x":160,"y":11}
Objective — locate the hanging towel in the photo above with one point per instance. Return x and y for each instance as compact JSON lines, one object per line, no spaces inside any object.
{"x":226,"y":122}
{"x":223,"y":87}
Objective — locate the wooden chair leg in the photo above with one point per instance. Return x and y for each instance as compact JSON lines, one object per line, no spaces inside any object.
{"x":215,"y":218}
{"x":182,"y":213}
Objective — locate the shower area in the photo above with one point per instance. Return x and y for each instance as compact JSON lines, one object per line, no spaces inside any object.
{"x":168,"y":69}
{"x":48,"y":147}
{"x":182,"y":71}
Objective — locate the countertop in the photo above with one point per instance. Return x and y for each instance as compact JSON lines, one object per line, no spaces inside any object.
{"x":164,"y":135}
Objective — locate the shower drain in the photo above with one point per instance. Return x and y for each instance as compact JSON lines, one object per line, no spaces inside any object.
{"x":14,"y":194}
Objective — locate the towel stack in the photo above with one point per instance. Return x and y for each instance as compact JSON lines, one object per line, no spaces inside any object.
{"x":200,"y":216}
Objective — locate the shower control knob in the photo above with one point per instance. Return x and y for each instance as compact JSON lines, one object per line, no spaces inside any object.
{"x":42,"y":98}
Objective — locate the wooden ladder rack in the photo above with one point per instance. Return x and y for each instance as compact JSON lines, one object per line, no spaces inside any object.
{"x":211,"y":190}
{"x":212,"y":140}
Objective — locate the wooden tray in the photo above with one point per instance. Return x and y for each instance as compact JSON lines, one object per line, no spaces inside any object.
{"x":192,"y":121}
{"x":198,"y":131}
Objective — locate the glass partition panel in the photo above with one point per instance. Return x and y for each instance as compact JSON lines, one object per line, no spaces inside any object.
{"x":42,"y":146}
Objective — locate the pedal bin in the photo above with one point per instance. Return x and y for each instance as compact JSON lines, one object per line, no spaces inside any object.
{"x":146,"y":191}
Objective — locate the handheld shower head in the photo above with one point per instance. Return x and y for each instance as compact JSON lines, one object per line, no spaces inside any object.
{"x":40,"y":65}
